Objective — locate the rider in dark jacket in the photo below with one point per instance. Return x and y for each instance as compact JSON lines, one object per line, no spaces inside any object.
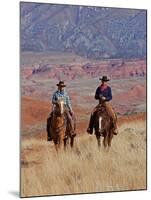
{"x":103,"y":94}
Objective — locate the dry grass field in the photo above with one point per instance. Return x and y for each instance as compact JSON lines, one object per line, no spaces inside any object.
{"x":85,"y":168}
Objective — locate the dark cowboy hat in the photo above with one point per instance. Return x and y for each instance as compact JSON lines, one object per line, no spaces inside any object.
{"x":61,"y":84}
{"x":104,"y":78}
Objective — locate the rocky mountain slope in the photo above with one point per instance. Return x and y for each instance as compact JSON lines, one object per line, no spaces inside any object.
{"x":91,"y":32}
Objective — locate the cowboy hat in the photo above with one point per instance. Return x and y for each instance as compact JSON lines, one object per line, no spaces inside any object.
{"x":61,"y":84}
{"x":104,"y":78}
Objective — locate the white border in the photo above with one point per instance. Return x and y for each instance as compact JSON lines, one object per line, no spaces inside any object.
{"x":9,"y":100}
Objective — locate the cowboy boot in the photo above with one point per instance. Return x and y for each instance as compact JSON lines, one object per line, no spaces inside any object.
{"x":89,"y":130}
{"x":68,"y":133}
{"x":115,"y":129}
{"x":73,"y":134}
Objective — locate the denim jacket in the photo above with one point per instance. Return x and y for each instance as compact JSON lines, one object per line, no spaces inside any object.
{"x":107,"y":93}
{"x":64,"y":95}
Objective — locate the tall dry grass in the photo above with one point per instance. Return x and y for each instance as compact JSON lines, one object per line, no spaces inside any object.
{"x":86,"y":169}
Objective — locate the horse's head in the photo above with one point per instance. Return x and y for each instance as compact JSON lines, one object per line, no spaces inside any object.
{"x":60,"y":106}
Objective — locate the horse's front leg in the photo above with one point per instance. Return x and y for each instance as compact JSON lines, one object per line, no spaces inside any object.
{"x":56,"y":146}
{"x":71,"y":142}
{"x":65,"y":143}
{"x":98,"y":140}
{"x":110,"y":138}
{"x":105,"y":140}
{"x":57,"y":143}
{"x":96,"y":127}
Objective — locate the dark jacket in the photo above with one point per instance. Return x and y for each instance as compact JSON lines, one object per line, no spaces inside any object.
{"x":107,"y":93}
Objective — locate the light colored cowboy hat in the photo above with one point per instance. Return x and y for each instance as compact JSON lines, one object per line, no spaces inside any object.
{"x":61,"y":84}
{"x":104,"y":78}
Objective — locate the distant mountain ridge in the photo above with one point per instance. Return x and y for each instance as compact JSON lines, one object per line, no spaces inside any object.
{"x":91,"y":32}
{"x":117,"y":69}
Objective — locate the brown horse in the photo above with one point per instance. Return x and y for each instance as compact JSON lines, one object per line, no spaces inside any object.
{"x":58,"y":126}
{"x":103,"y":121}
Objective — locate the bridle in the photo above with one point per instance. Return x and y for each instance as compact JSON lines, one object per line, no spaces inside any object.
{"x":58,"y":114}
{"x":59,"y":107}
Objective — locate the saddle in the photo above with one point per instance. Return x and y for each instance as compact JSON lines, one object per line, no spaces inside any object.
{"x":101,"y":108}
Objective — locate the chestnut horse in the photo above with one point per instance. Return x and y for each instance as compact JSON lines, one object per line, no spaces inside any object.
{"x":103,"y":121}
{"x":58,"y":126}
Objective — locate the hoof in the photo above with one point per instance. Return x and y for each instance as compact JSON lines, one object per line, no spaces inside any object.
{"x":49,"y":139}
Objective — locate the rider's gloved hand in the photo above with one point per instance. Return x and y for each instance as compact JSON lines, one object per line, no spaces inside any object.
{"x":104,"y":98}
